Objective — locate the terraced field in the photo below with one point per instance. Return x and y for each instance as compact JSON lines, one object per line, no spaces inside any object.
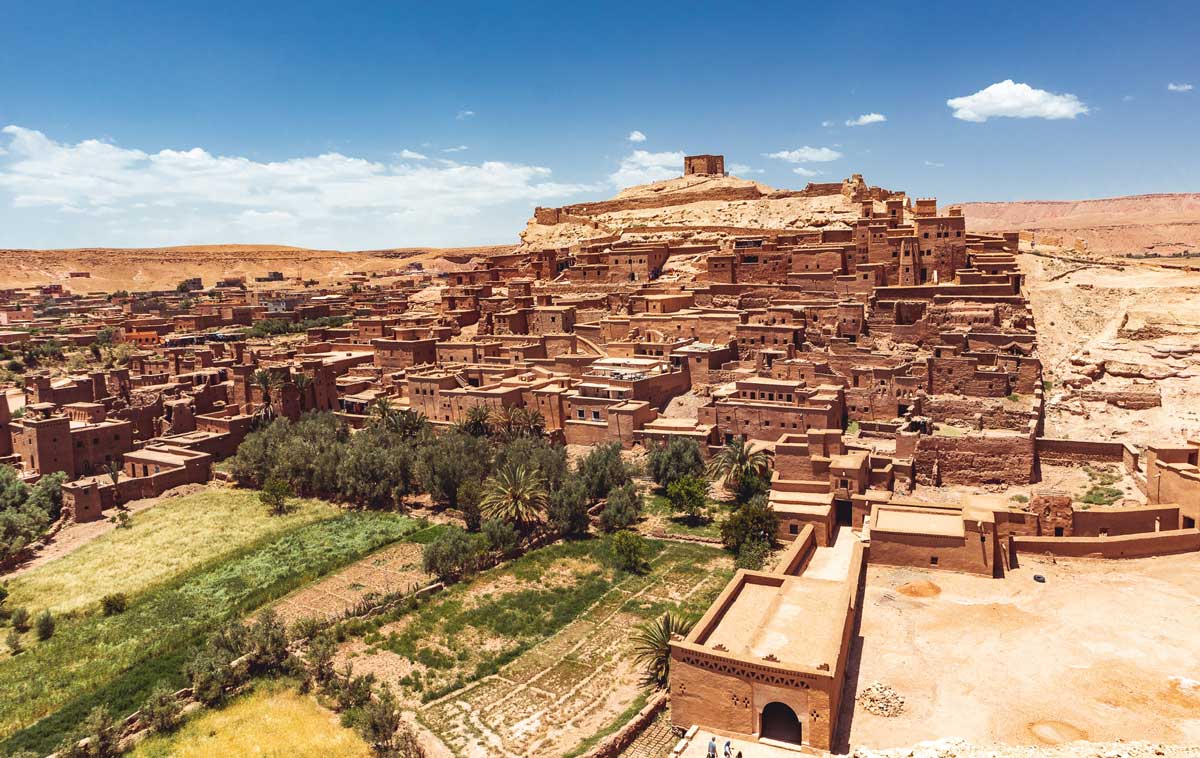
{"x":534,"y":658}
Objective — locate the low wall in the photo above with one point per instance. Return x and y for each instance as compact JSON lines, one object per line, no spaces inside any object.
{"x":615,"y":744}
{"x":1131,"y":546}
{"x":1068,"y":452}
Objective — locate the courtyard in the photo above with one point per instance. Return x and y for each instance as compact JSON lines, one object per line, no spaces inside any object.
{"x":1101,"y":651}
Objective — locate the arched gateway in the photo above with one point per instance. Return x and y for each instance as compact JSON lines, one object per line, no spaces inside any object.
{"x":779,"y":722}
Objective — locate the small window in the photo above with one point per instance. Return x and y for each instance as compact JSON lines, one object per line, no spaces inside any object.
{"x":793,"y":528}
{"x":933,"y":560}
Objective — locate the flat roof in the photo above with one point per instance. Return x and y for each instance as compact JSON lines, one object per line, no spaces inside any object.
{"x":914,"y":521}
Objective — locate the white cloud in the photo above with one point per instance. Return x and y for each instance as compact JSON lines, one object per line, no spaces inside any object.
{"x":802,"y":171}
{"x":119,"y":195}
{"x":464,"y":115}
{"x":1127,"y":99}
{"x":741,"y":169}
{"x":412,"y":155}
{"x":827,"y":124}
{"x":643,"y":167}
{"x":457,"y":149}
{"x":867,"y":118}
{"x":1015,"y":100}
{"x":1181,"y":87}
{"x":935,"y":164}
{"x":806,"y":154}
{"x":636,"y":136}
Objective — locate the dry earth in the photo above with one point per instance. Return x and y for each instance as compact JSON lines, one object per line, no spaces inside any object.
{"x":115,"y":269}
{"x":1114,"y":329}
{"x":1102,"y":651}
{"x":1163,"y":223}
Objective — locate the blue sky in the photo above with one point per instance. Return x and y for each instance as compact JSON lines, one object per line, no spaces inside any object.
{"x":364,"y":125}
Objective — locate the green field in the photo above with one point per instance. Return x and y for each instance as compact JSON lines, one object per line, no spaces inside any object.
{"x":272,"y":720}
{"x":162,"y":542}
{"x":117,"y":660}
{"x":658,"y":508}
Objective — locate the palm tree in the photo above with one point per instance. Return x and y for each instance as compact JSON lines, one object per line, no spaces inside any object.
{"x":382,"y":412}
{"x":113,"y":469}
{"x":265,"y":381}
{"x":477,"y":422}
{"x":517,"y":494}
{"x":303,"y":383}
{"x":735,"y":462}
{"x":652,"y":646}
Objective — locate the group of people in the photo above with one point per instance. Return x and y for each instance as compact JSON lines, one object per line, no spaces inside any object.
{"x":728,"y":753}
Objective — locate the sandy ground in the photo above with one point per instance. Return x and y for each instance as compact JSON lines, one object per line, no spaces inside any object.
{"x":1102,"y":651}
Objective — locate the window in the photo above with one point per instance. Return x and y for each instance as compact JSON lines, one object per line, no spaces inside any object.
{"x":595,"y":415}
{"x":580,"y":412}
{"x":793,"y":528}
{"x":933,"y":561}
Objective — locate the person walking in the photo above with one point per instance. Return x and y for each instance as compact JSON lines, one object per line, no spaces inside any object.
{"x":712,"y":747}
{"x":728,"y":749}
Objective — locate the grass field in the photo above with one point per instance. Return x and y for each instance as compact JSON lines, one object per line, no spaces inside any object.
{"x":534,"y":655}
{"x":117,"y":660}
{"x":163,"y":542}
{"x":273,"y":720}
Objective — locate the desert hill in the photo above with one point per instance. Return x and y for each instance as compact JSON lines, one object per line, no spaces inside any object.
{"x":154,"y":268}
{"x":1165,"y":224}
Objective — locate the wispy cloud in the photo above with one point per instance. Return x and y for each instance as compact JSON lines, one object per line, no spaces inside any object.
{"x":643,"y":167}
{"x":826,"y":124}
{"x":636,"y":136}
{"x":456,"y":149}
{"x":802,"y":171}
{"x":463,"y":115}
{"x":867,"y":118}
{"x":412,"y":155}
{"x":1181,"y":87}
{"x":121,"y":194}
{"x":806,"y":154}
{"x":935,"y":164}
{"x":1009,"y":99}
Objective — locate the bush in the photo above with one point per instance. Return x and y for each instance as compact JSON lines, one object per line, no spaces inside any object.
{"x":603,"y":470}
{"x":678,"y":458}
{"x":688,"y":495}
{"x":627,"y":551}
{"x":753,"y":554}
{"x":20,"y":619}
{"x":623,"y":509}
{"x":377,"y":469}
{"x":751,"y":486}
{"x":162,"y":710}
{"x":754,"y":521}
{"x":501,"y":536}
{"x":211,"y":674}
{"x":452,"y":555}
{"x":43,"y":625}
{"x":115,"y":603}
{"x":353,"y":691}
{"x":318,"y":663}
{"x":446,"y":464}
{"x":380,"y":721}
{"x":13,"y":640}
{"x":275,"y":495}
{"x":102,"y":734}
{"x":267,"y":643}
{"x":567,"y":508}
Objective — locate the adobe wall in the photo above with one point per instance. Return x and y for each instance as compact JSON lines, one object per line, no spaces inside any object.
{"x":1121,"y":521}
{"x":966,"y":554}
{"x":1069,"y":452}
{"x":1129,"y":546}
{"x":975,"y":459}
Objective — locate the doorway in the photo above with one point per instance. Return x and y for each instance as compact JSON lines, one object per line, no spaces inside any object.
{"x":779,"y":722}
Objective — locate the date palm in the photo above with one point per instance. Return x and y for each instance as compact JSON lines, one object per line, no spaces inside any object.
{"x":516,"y":494}
{"x":265,"y":381}
{"x":735,"y":462}
{"x":652,"y":647}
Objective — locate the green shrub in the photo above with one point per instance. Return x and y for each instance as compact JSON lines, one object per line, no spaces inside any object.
{"x":753,"y":554}
{"x":161,"y":711}
{"x":688,"y":495}
{"x":678,"y":458}
{"x":623,"y":509}
{"x":628,"y":551}
{"x":114,"y":603}
{"x":13,"y":640}
{"x":452,"y":555}
{"x":754,"y":521}
{"x":20,"y":619}
{"x":602,"y":470}
{"x":567,"y":508}
{"x":43,"y":625}
{"x":501,"y":536}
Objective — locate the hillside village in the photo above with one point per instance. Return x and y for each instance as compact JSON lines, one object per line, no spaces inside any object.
{"x":847,"y":361}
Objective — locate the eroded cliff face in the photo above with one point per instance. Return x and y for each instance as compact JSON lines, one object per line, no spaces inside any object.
{"x":1121,"y":345}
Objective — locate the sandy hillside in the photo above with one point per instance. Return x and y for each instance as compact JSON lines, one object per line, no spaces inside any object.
{"x":688,"y":202}
{"x":162,"y":268}
{"x":1165,"y":224}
